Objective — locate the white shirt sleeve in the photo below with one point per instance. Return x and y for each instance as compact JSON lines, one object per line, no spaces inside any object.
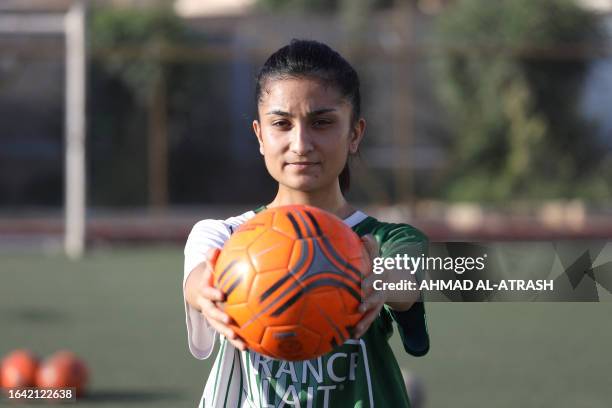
{"x":205,"y":235}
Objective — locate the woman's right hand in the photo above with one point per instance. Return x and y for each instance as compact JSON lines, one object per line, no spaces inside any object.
{"x":202,"y":295}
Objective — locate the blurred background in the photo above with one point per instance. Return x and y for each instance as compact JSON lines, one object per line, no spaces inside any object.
{"x":484,"y":120}
{"x":487,"y":121}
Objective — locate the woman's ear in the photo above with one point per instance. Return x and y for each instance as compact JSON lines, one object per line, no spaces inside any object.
{"x":257,"y":130}
{"x":357,"y":135}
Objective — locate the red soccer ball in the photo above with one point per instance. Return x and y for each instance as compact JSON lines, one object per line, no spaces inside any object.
{"x":18,"y":369}
{"x":63,"y":370}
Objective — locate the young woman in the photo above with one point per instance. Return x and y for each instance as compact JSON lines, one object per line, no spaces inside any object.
{"x":309,"y":122}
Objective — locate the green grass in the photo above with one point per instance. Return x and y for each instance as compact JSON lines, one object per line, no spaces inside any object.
{"x":122,"y":311}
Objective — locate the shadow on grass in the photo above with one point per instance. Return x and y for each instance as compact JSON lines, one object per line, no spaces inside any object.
{"x":37,"y":315}
{"x":130,"y":396}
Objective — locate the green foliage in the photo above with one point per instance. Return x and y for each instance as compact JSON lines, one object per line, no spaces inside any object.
{"x":129,"y":65}
{"x":512,"y":96}
{"x":130,"y":43}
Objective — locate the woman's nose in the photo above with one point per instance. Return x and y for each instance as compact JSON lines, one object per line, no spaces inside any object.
{"x":301,"y":140}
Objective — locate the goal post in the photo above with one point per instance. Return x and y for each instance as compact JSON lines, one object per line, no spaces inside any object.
{"x":71,"y":25}
{"x":75,"y":170}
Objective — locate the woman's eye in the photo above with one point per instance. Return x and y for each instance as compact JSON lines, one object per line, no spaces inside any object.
{"x":322,"y":122}
{"x":281,"y":123}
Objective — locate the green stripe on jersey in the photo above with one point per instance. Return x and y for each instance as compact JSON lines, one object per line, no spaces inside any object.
{"x":229,"y":382}
{"x":241,"y":375}
{"x":219,"y":364}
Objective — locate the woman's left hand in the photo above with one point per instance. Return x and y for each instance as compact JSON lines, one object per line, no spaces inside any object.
{"x":373,"y":300}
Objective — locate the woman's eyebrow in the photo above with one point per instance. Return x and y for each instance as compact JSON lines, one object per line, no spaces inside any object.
{"x":279,"y":113}
{"x":321,"y":111}
{"x":316,"y":112}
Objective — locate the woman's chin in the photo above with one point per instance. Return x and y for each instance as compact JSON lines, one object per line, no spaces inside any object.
{"x":304,"y":184}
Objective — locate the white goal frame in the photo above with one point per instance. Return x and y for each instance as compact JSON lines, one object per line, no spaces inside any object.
{"x":71,"y":25}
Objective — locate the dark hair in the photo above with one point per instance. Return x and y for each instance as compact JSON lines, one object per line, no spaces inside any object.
{"x":312,"y":59}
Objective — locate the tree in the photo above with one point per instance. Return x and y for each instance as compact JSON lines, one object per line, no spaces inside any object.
{"x":130,"y":44}
{"x":510,"y":76}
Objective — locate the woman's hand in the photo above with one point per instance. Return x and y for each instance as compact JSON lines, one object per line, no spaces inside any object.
{"x":202,"y":295}
{"x":373,"y":300}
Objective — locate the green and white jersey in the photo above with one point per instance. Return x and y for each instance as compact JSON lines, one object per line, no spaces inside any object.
{"x":360,"y":373}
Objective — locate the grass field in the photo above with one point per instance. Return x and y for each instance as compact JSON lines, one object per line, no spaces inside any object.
{"x":122,"y":311}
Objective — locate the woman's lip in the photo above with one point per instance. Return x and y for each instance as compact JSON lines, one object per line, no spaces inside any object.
{"x":302,"y":166}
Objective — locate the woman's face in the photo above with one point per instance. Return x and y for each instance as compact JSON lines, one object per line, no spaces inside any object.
{"x":305,"y":133}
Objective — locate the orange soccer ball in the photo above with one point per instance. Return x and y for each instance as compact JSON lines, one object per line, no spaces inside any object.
{"x":18,"y":369}
{"x":63,"y":370}
{"x":292,"y":278}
